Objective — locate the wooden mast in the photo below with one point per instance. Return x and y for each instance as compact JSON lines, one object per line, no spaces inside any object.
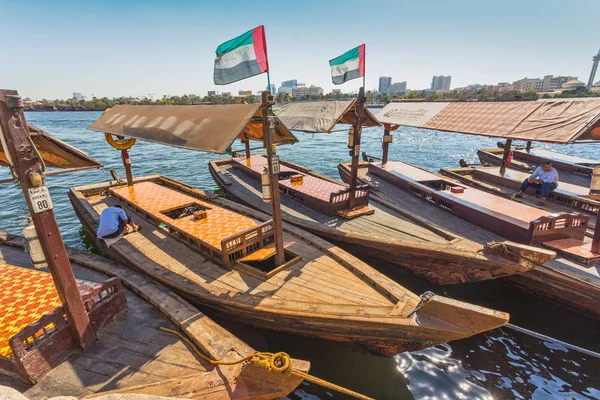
{"x":127,"y":166}
{"x":386,"y":145}
{"x":355,"y":151}
{"x":28,"y":168}
{"x":505,"y":156}
{"x":272,"y":158}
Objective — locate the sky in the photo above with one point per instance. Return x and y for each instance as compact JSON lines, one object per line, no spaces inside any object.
{"x":51,"y":49}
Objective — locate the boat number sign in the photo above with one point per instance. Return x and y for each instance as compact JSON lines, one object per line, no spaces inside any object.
{"x":40,"y":199}
{"x":275,"y":164}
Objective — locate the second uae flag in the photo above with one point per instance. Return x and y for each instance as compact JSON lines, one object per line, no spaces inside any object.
{"x":350,"y":65}
{"x":241,"y":57}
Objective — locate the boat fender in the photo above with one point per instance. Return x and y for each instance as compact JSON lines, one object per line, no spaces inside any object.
{"x":265,"y":180}
{"x":32,"y":244}
{"x":120,"y":143}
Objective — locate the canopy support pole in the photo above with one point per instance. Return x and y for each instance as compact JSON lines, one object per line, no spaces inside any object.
{"x":596,"y":239}
{"x":386,"y":145}
{"x":355,"y":151}
{"x":528,"y":148}
{"x":268,"y":134}
{"x":27,"y":165}
{"x":127,"y":166}
{"x":247,"y":143}
{"x":507,"y":147}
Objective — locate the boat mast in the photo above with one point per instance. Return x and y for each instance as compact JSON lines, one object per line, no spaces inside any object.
{"x":28,"y":168}
{"x":272,"y":158}
{"x":355,"y":151}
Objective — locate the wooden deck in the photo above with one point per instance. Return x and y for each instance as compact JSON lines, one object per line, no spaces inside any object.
{"x":133,"y":356}
{"x":390,"y":234}
{"x":561,"y":280}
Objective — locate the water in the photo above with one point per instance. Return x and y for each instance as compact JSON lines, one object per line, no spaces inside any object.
{"x":501,"y":364}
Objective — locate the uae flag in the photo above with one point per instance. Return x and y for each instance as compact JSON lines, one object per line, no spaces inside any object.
{"x":242,"y":57}
{"x":350,"y":65}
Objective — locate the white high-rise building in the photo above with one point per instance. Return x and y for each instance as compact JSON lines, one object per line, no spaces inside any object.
{"x":384,"y":84}
{"x":441,"y":82}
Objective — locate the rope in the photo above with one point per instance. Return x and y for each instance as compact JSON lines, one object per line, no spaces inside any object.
{"x":425,"y":298}
{"x":279,"y":362}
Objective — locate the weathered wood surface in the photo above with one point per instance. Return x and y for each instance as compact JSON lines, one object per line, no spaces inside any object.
{"x":390,"y":234}
{"x":133,"y":356}
{"x":562,"y":281}
{"x":328,"y":294}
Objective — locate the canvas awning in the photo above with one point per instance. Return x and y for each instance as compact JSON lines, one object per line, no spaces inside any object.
{"x":55,"y":152}
{"x":560,"y":121}
{"x":211,"y":128}
{"x":320,"y":116}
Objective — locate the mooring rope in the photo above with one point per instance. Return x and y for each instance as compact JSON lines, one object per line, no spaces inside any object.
{"x":279,"y":362}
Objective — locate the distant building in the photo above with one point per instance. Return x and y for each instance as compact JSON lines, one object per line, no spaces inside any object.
{"x":299,"y":92}
{"x":273,"y":89}
{"x":245,"y":92}
{"x":384,"y":84}
{"x":441,"y":82}
{"x":397,"y":88}
{"x":336,"y":91}
{"x":212,"y":93}
{"x":78,"y":96}
{"x":573,"y":84}
{"x":290,"y":84}
{"x":596,"y":87}
{"x":595,"y":59}
{"x":226,"y":94}
{"x":548,"y":83}
{"x":283,"y":89}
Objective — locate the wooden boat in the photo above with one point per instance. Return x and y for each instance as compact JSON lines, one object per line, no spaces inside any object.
{"x":133,"y":357}
{"x":566,"y":198}
{"x":225,"y":255}
{"x":390,"y":234}
{"x":326,"y":293}
{"x":572,"y":169}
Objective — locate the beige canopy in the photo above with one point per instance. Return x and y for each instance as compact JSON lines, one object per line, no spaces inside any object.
{"x":559,"y":121}
{"x":320,"y":116}
{"x":211,"y":128}
{"x":55,"y":152}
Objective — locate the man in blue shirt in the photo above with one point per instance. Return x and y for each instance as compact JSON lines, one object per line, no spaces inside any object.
{"x":113,"y":222}
{"x":544,"y":177}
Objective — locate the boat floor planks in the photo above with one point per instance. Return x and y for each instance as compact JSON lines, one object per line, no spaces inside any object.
{"x":132,"y":356}
{"x":561,"y":280}
{"x":328,"y":293}
{"x":390,"y":234}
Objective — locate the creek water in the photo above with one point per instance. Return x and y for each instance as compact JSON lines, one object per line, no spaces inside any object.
{"x":501,"y":364}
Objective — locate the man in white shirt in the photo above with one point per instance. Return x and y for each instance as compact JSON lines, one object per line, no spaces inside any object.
{"x":544,"y":177}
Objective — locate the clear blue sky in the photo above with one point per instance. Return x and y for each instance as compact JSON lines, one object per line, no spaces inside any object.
{"x":51,"y":49}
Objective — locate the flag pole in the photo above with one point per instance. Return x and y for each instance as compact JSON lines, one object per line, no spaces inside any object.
{"x":365,"y":71}
{"x":269,"y":82}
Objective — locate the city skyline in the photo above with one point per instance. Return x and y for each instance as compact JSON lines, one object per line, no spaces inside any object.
{"x":90,"y":49}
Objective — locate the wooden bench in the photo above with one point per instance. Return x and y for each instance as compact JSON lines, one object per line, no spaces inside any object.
{"x":509,"y":219}
{"x":318,"y":194}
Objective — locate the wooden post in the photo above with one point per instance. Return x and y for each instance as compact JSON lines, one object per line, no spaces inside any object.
{"x":27,"y":166}
{"x":386,"y":145}
{"x":507,"y":146}
{"x":247,"y":149}
{"x":127,"y":166}
{"x":528,"y":148}
{"x":596,"y":238}
{"x":355,"y":151}
{"x":268,"y":134}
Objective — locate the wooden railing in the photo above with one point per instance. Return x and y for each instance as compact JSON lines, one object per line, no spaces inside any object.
{"x":108,"y":296}
{"x":361,"y":195}
{"x":557,"y":226}
{"x":246,"y":242}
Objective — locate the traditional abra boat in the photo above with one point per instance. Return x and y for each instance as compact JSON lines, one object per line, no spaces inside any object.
{"x":226,"y":256}
{"x":381,"y":230}
{"x":132,"y":355}
{"x":468,"y":212}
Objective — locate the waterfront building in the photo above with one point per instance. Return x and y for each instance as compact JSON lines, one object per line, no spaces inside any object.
{"x":384,"y":84}
{"x":299,"y":92}
{"x":212,"y":93}
{"x":336,"y":91}
{"x":441,"y":82}
{"x":289,"y":84}
{"x":78,"y":96}
{"x":596,"y":87}
{"x":548,"y":83}
{"x":573,"y":84}
{"x":397,"y":88}
{"x":595,"y":59}
{"x":245,"y":92}
{"x":273,"y":89}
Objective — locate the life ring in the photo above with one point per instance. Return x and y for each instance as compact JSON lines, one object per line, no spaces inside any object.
{"x":120,"y":143}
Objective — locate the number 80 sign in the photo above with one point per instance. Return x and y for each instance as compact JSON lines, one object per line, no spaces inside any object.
{"x":40,"y":199}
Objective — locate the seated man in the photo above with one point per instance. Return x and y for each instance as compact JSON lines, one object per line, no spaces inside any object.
{"x":544,"y":177}
{"x":113,"y":222}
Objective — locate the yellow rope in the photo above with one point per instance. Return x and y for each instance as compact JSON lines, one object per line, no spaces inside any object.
{"x":279,"y":362}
